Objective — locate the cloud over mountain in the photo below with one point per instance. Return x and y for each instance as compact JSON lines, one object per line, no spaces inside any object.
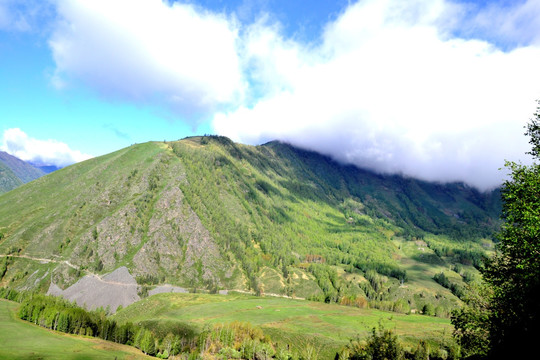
{"x":434,"y":89}
{"x":40,"y":152}
{"x":393,"y":89}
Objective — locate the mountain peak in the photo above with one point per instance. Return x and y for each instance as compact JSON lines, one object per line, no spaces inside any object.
{"x":205,"y":212}
{"x":15,"y":167}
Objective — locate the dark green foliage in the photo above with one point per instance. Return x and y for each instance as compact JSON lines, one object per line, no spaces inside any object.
{"x":533,"y":131}
{"x":328,"y":281}
{"x":3,"y":266}
{"x":514,"y":273}
{"x":472,"y":322}
{"x":428,"y":309}
{"x":161,"y":328}
{"x":382,"y":344}
{"x":98,"y":265}
{"x":461,"y":256}
{"x":60,"y":315}
{"x":148,"y":279}
{"x":452,"y":286}
{"x":11,"y":294}
{"x":504,"y":322}
{"x":422,"y":351}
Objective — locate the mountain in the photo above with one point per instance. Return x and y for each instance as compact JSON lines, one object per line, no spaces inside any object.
{"x":47,"y":169}
{"x":15,"y":172}
{"x":8,"y":179}
{"x":204,"y":212}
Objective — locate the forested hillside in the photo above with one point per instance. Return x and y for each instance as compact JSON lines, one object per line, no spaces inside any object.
{"x":205,"y":212}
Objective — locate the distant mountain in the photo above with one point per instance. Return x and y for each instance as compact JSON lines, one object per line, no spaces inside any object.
{"x":8,"y":179}
{"x":47,"y":169}
{"x":205,"y":212}
{"x":21,"y":170}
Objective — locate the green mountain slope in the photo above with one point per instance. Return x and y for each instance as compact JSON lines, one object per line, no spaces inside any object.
{"x":8,"y":179}
{"x":15,"y":172}
{"x":206,"y":212}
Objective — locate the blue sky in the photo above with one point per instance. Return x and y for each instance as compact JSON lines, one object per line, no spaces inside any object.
{"x":434,"y":89}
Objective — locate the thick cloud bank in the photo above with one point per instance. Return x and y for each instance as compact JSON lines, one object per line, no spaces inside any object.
{"x":434,"y":89}
{"x":150,"y":52}
{"x":392,"y":89}
{"x":39,"y":152}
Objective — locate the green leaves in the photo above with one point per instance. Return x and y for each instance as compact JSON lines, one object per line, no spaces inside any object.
{"x":513,"y":273}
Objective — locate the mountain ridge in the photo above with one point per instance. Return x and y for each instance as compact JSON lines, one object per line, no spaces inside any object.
{"x":13,"y":169}
{"x":205,"y":212}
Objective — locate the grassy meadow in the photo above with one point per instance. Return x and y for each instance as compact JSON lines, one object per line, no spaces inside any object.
{"x":23,"y":340}
{"x":300,"y":323}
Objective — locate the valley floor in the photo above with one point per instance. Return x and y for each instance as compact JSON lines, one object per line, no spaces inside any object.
{"x":299,"y":323}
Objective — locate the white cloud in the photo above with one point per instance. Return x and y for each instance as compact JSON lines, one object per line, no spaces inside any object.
{"x":24,"y":15}
{"x":12,"y":18}
{"x":390,"y":88}
{"x":39,"y":152}
{"x":433,"y":89}
{"x":507,"y":25}
{"x":149,"y":51}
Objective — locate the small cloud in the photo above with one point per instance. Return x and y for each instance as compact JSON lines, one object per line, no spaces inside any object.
{"x":40,"y":152}
{"x":24,"y":16}
{"x":117,"y":132}
{"x":510,"y":25}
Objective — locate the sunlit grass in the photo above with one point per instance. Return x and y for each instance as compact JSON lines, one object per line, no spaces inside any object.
{"x":23,"y":340}
{"x":285,"y":320}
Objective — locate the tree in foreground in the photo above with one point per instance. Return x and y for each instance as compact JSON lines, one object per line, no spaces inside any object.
{"x":511,"y":317}
{"x":472,"y":322}
{"x":514,"y":273}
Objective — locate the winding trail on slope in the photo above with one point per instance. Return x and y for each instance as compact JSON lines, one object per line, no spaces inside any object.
{"x":66,"y":262}
{"x":87,"y":292}
{"x":43,"y":260}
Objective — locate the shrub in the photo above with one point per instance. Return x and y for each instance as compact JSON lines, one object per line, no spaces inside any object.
{"x":428,"y":309}
{"x":380,"y":345}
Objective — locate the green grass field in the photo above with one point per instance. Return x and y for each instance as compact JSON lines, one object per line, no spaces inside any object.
{"x":22,"y":340}
{"x":296,"y":322}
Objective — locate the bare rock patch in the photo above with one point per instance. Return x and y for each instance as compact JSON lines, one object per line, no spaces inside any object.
{"x":112,"y":290}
